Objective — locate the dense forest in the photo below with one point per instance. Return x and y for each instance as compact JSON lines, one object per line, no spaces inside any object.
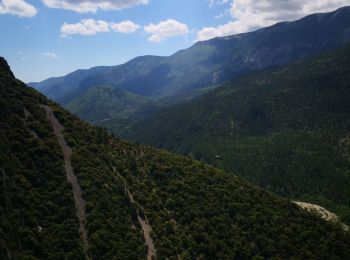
{"x":194,"y":211}
{"x":111,"y":107}
{"x":286,"y":129}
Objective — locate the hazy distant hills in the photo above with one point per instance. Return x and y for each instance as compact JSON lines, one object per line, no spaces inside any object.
{"x":286,"y":129}
{"x":207,"y":64}
{"x":111,"y":107}
{"x":133,"y":197}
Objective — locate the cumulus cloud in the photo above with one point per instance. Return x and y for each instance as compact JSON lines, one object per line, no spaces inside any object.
{"x":17,"y":7}
{"x":249,"y":15}
{"x":51,"y":55}
{"x":85,"y":27}
{"x":125,"y":27}
{"x":165,"y":29}
{"x":84,"y":6}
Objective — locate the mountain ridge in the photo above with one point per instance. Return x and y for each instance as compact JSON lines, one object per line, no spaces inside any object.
{"x":5,"y":67}
{"x":313,"y":29}
{"x":191,"y":72}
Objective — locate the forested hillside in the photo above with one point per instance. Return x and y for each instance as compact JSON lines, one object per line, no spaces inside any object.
{"x":285,"y":129}
{"x":138,"y":201}
{"x":111,"y":107}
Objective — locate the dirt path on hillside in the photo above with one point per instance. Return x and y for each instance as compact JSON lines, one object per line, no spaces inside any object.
{"x":146,"y":228}
{"x":71,"y":177}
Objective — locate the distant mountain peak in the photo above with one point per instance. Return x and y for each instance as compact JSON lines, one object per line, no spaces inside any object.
{"x":5,"y":67}
{"x":210,"y":63}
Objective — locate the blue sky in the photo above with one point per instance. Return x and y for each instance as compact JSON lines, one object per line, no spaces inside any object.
{"x":44,"y":38}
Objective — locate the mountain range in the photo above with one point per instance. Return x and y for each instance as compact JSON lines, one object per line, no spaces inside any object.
{"x":192,"y":72}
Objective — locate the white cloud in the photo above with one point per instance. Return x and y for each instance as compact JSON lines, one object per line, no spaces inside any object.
{"x":223,"y":14}
{"x":51,"y":55}
{"x":165,"y":29}
{"x":17,"y":7}
{"x":217,"y":2}
{"x":125,"y":27}
{"x":249,"y":15}
{"x":85,"y":27}
{"x":84,"y":6}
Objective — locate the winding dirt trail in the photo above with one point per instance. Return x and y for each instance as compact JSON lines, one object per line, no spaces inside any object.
{"x":71,"y":177}
{"x":146,"y":228}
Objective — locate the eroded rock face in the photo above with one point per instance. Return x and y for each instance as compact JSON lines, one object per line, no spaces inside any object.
{"x":322,"y":212}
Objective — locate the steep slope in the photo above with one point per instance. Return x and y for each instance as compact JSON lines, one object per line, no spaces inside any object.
{"x":210,"y":63}
{"x":79,"y":202}
{"x":286,"y":129}
{"x":37,"y":209}
{"x":193,"y":210}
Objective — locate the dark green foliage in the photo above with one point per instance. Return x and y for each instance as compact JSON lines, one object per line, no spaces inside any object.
{"x":111,"y":107}
{"x":196,"y":211}
{"x":285,"y":129}
{"x":37,"y":216}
